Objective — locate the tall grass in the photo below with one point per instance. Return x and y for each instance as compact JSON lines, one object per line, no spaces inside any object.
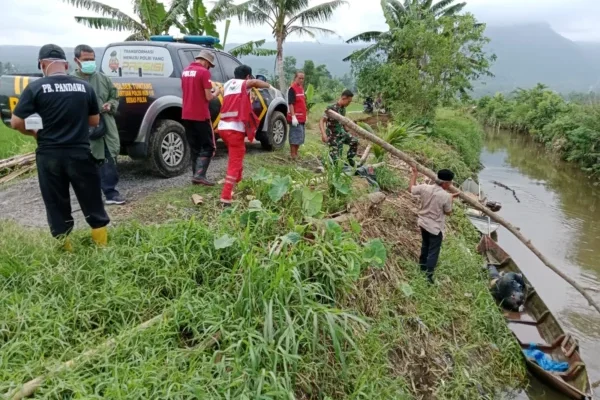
{"x":262,"y":301}
{"x":13,"y":142}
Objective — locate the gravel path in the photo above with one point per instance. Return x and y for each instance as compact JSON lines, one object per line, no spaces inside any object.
{"x":22,"y":201}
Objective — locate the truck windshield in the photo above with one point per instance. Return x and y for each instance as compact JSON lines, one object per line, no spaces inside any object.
{"x":137,"y":60}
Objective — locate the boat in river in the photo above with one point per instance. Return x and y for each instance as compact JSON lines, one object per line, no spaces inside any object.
{"x":480,"y":221}
{"x":536,"y":325}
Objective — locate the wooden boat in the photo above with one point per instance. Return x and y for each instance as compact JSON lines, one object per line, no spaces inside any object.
{"x":536,"y":324}
{"x":480,"y":221}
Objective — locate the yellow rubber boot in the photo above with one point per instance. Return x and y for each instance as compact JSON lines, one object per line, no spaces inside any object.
{"x":67,"y":245}
{"x":100,"y":236}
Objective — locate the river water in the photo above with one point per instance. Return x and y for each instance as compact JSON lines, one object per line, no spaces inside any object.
{"x":559,"y":210}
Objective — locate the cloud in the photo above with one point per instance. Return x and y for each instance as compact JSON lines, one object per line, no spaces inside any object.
{"x":35,"y":22}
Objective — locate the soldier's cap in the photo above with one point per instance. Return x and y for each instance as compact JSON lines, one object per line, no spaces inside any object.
{"x":208,"y":56}
{"x":51,"y":52}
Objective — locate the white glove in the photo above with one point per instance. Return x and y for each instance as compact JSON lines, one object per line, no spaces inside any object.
{"x":294,"y":121}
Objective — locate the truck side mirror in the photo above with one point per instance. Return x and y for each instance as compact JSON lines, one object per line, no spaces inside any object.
{"x":261,"y":78}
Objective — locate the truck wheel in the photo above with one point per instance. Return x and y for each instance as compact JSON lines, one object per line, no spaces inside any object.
{"x":277,"y":132}
{"x":168,"y":149}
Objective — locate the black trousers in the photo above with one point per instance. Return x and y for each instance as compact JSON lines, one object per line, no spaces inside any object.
{"x":430,"y":252}
{"x":201,"y":138}
{"x":77,"y":168}
{"x":109,"y":175}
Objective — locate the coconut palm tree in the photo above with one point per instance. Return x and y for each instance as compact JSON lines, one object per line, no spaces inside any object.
{"x":286,"y":18}
{"x":152,"y":18}
{"x":396,"y":14}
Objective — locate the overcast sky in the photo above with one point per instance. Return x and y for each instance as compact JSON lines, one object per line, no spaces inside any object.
{"x":36,"y":22}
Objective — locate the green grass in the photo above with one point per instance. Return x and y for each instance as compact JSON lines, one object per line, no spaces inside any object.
{"x":13,"y":142}
{"x":462,"y":132}
{"x":259,"y":301}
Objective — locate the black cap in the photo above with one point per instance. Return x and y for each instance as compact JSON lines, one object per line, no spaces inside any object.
{"x":51,"y":51}
{"x":445,"y":175}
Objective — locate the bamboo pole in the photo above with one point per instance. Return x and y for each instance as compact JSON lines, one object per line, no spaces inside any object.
{"x":475,"y":204}
{"x":31,"y":386}
{"x":17,"y":160}
{"x":365,"y":155}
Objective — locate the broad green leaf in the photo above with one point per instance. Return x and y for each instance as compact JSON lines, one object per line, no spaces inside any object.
{"x":375,"y":252}
{"x":262,"y":175}
{"x":279,"y":187}
{"x":342,"y":187}
{"x":406,"y":289}
{"x":355,"y":226}
{"x":224,"y":242}
{"x":333,"y":227}
{"x":255,"y":205}
{"x":312,"y":202}
{"x":292,"y":238}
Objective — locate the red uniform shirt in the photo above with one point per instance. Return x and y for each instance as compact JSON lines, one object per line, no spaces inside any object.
{"x":194,"y":80}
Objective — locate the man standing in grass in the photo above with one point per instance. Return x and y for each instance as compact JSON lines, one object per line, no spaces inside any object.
{"x":297,"y":114}
{"x":237,"y":121}
{"x":104,"y":142}
{"x":197,"y":94}
{"x":68,"y":107}
{"x":335,"y":135}
{"x":436,"y":203}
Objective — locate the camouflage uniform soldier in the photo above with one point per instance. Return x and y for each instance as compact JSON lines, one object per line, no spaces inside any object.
{"x":334,"y":134}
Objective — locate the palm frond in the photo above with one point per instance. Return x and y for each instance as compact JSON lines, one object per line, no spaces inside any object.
{"x":251,"y":48}
{"x":362,"y":53}
{"x":176,"y":10}
{"x":111,"y":24}
{"x":98,"y":8}
{"x":370,"y":36}
{"x":152,"y":14}
{"x":450,"y":11}
{"x":441,"y":5}
{"x":318,"y":13}
{"x":311,"y":31}
{"x":393,"y":11}
{"x":221,"y":10}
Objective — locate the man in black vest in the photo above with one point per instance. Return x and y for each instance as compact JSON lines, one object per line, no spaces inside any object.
{"x":67,"y":107}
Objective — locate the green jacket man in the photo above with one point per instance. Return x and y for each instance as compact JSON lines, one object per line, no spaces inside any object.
{"x":106,"y":149}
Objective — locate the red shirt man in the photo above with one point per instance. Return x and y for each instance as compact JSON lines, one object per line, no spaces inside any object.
{"x":297,"y":113}
{"x":237,"y":122}
{"x":197,"y":93}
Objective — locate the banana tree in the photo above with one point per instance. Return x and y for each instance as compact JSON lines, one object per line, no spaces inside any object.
{"x":151,"y":17}
{"x":197,"y":20}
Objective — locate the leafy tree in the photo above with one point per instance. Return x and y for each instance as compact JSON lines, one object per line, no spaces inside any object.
{"x":151,"y":17}
{"x":286,"y":18}
{"x":429,"y":62}
{"x":310,"y":74}
{"x":397,"y":14}
{"x":289,"y":68}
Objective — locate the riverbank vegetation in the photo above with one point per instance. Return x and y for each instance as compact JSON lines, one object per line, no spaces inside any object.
{"x":568,"y":128}
{"x":271,"y":298}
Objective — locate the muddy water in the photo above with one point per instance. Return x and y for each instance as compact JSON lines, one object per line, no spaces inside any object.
{"x":559,"y":211}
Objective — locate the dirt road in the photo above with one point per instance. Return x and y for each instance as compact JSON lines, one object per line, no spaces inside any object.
{"x":22,"y":201}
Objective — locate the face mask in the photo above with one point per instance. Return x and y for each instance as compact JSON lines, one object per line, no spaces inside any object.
{"x":88,"y":67}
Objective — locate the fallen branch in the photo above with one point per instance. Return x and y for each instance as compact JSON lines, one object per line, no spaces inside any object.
{"x":17,"y":161}
{"x":365,"y":155}
{"x":507,"y":188}
{"x":31,"y":386}
{"x":475,"y":204}
{"x":16,"y":173}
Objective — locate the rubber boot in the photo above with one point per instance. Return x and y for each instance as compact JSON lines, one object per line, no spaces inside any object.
{"x":200,"y":175}
{"x":100,"y":236}
{"x":67,"y":245}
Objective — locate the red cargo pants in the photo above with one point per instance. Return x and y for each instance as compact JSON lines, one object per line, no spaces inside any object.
{"x":236,"y":146}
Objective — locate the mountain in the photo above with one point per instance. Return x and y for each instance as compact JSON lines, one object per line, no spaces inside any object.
{"x":532,"y":53}
{"x":527,"y":54}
